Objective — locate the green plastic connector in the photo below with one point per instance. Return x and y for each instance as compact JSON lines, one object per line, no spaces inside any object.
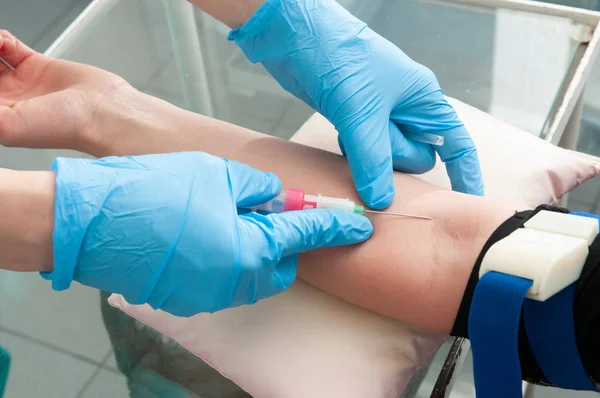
{"x":359,"y":210}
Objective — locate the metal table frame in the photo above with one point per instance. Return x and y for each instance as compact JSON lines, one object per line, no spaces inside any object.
{"x":561,"y":128}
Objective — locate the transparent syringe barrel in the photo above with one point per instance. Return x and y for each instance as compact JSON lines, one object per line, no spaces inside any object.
{"x":326,"y":202}
{"x":275,"y":205}
{"x":295,"y":199}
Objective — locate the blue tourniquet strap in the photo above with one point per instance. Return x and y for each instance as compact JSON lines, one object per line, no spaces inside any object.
{"x":494,"y":332}
{"x":551,"y":333}
{"x":588,"y":215}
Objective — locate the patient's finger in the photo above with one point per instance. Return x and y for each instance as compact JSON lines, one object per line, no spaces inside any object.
{"x":4,"y":67}
{"x":12,"y":50}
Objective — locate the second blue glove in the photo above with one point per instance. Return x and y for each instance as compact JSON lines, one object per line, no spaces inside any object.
{"x":368,"y":89}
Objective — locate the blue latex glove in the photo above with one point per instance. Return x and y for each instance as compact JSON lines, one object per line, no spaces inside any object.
{"x":367,"y":88}
{"x":165,"y":230}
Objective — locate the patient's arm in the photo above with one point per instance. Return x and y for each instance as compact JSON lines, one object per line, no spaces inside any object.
{"x":233,"y":13}
{"x":26,"y":220}
{"x":411,"y":270}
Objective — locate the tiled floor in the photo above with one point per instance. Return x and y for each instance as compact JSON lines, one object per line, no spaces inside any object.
{"x":58,"y":341}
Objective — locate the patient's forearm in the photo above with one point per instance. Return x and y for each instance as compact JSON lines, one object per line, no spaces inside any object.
{"x":233,"y":13}
{"x":414,"y":271}
{"x":26,"y":220}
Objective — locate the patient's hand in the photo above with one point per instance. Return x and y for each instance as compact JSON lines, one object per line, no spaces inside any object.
{"x":48,"y":103}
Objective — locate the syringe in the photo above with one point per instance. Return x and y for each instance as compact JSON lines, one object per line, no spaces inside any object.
{"x":295,"y":199}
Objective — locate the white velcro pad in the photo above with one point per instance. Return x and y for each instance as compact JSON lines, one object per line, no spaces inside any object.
{"x":551,"y":260}
{"x":565,"y":224}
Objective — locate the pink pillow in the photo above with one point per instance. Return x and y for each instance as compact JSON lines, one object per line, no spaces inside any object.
{"x":305,"y":343}
{"x":302,"y":343}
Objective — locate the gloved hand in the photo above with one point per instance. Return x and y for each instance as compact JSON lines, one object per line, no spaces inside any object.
{"x":165,"y":230}
{"x":367,"y":88}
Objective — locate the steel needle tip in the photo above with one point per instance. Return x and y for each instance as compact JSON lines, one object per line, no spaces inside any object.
{"x":389,"y":213}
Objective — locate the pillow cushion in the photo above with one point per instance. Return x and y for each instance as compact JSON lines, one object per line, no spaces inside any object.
{"x":305,"y":343}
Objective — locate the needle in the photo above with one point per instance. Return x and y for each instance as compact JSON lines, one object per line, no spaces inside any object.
{"x":398,"y":214}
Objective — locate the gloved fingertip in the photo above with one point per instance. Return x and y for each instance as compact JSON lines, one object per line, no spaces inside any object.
{"x":273,"y":183}
{"x":355,"y":228}
{"x":252,"y":186}
{"x":364,"y":228}
{"x":377,"y":201}
{"x":341,"y":144}
{"x":474,"y":187}
{"x":310,"y":229}
{"x":467,"y":179}
{"x":467,"y":187}
{"x":478,"y":191}
{"x":286,"y":272}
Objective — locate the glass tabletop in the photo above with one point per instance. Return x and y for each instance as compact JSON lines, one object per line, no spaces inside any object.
{"x":507,"y":63}
{"x":510,"y":64}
